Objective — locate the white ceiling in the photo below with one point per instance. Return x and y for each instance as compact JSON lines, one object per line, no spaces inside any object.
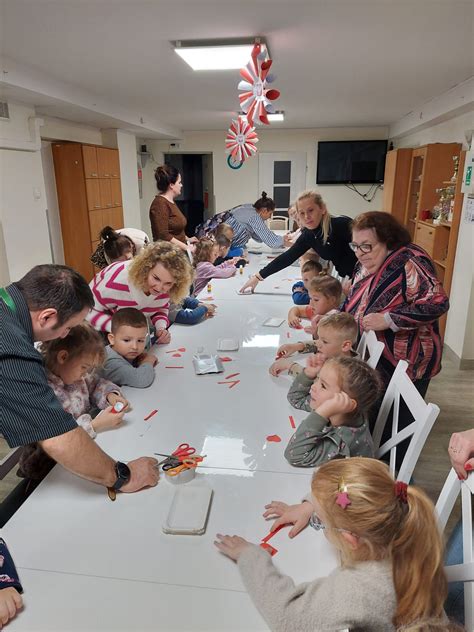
{"x":338,"y":63}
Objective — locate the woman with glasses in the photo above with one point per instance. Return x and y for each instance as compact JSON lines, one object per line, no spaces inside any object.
{"x":395,"y":292}
{"x":329,"y":236}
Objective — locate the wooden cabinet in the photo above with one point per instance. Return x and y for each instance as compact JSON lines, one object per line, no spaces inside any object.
{"x":89,"y":196}
{"x":395,"y":184}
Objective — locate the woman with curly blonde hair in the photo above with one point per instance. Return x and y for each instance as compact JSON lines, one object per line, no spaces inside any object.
{"x":159,"y":273}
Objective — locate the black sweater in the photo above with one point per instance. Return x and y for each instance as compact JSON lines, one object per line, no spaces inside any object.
{"x":336,"y":249}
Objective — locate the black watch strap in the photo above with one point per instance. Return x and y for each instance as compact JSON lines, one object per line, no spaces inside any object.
{"x":123,"y":475}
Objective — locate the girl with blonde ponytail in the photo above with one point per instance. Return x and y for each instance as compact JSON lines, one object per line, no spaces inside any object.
{"x":391,"y":576}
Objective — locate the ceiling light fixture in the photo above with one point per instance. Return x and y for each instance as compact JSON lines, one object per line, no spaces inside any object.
{"x":229,"y":54}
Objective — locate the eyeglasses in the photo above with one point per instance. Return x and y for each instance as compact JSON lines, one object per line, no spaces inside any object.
{"x":365,"y":248}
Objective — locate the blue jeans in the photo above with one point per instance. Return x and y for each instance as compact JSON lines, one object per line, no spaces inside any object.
{"x":454,"y":604}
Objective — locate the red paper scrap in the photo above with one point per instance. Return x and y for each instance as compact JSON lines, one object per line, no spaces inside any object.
{"x":232,"y":383}
{"x":268,"y":547}
{"x":227,"y":377}
{"x":274,"y":438}
{"x":181,"y":350}
{"x":272,"y":533}
{"x":174,"y":367}
{"x":288,"y":334}
{"x":153,"y":412}
{"x":208,"y":298}
{"x":176,"y":355}
{"x":292,"y":421}
{"x":225,"y":359}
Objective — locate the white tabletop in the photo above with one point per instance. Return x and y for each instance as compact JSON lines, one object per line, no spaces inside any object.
{"x":70,"y":541}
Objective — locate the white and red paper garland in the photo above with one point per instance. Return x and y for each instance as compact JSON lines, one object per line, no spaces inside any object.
{"x":241,"y":140}
{"x":256,"y":96}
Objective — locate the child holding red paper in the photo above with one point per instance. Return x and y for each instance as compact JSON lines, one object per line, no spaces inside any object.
{"x":71,"y":364}
{"x":391,"y":575}
{"x":204,"y":257}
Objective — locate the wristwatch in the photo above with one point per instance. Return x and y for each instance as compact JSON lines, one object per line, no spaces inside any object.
{"x":123,"y":475}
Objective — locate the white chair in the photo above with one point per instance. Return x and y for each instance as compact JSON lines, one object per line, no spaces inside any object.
{"x":460,"y":572}
{"x":278,"y":222}
{"x":370,"y":349}
{"x":424,"y":415}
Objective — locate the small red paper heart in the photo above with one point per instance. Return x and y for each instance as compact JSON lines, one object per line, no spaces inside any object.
{"x":182,"y":349}
{"x":176,"y":355}
{"x":225,"y":359}
{"x":274,"y":438}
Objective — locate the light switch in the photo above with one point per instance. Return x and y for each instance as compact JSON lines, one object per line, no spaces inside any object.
{"x":36,"y":193}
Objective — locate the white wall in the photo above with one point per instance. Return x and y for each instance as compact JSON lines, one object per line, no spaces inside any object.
{"x":23,"y":197}
{"x":60,"y":129}
{"x":232,"y":187}
{"x":459,"y":336}
{"x":127,"y":146}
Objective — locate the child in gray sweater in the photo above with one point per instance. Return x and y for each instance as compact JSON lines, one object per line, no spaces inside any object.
{"x":127,"y":363}
{"x":342,"y":395}
{"x":391,"y":575}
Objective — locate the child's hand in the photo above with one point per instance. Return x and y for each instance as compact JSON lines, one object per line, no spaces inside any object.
{"x":283,"y":364}
{"x":211,"y":309}
{"x":113,"y":398}
{"x":10,"y":603}
{"x":147,"y":358}
{"x":313,"y":365}
{"x":297,"y":515}
{"x":231,"y":545}
{"x":106,"y":420}
{"x":288,"y":349}
{"x":293,"y":319}
{"x":339,"y":404}
{"x":298,"y":289}
{"x":163,"y":336}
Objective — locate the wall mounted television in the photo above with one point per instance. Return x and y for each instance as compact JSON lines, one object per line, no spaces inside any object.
{"x":351,"y":162}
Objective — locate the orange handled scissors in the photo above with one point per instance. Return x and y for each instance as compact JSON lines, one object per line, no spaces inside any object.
{"x":186,"y":464}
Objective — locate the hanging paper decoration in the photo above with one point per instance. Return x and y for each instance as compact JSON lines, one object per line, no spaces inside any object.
{"x":241,"y":140}
{"x":256,"y":94}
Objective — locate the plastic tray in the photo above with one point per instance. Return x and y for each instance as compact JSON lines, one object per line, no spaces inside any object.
{"x":189,"y":511}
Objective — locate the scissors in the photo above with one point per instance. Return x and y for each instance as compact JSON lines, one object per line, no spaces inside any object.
{"x":186,"y":464}
{"x":183,"y":451}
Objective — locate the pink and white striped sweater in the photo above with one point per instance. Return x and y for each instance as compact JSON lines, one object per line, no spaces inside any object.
{"x":113,"y":291}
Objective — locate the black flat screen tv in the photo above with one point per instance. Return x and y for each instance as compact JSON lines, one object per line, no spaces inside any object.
{"x":351,"y":161}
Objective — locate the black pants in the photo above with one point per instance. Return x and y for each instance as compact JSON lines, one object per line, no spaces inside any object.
{"x":405,"y":418}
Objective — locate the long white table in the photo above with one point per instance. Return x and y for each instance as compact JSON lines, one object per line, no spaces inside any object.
{"x":88,"y":563}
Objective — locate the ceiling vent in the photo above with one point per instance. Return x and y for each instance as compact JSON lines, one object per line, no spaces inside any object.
{"x":4,"y":114}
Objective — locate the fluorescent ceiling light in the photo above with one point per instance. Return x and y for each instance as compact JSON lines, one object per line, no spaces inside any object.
{"x":215,"y":55}
{"x":278,"y":116}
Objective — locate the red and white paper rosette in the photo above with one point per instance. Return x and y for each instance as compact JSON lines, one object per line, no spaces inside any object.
{"x":241,"y":140}
{"x":256,"y":96}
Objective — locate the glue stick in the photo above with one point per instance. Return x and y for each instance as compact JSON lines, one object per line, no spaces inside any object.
{"x":241,"y":269}
{"x":209,"y":288}
{"x":118,"y":407}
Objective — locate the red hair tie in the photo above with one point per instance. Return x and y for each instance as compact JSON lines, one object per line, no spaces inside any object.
{"x":401,"y":491}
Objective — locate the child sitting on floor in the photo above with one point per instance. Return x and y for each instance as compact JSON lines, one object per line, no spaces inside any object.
{"x":325,"y":293}
{"x":203,"y":261}
{"x":309,"y":269}
{"x":190,"y":311}
{"x":71,"y":364}
{"x":391,"y":574}
{"x":342,"y":395}
{"x":127,"y":363}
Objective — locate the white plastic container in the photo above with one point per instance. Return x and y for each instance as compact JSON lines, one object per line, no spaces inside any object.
{"x":189,"y":511}
{"x":183,"y":477}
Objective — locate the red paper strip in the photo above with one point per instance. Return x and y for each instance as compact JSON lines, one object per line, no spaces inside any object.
{"x":292,"y":421}
{"x":274,"y":438}
{"x":235,"y":383}
{"x":208,"y":298}
{"x":227,"y":377}
{"x":268,"y":547}
{"x":272,"y":533}
{"x":288,"y":334}
{"x":174,"y":367}
{"x":176,"y":355}
{"x":153,"y":412}
{"x":181,"y":349}
{"x":225,"y":359}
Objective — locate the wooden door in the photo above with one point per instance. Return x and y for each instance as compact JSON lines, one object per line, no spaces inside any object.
{"x":89,"y":155}
{"x":103,"y":161}
{"x":114,"y":164}
{"x":93,"y":194}
{"x":396,"y":179}
{"x":116,"y":187}
{"x":105,"y":190}
{"x":96,"y":222}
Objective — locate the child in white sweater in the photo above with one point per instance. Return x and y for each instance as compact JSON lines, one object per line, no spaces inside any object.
{"x":391,"y":575}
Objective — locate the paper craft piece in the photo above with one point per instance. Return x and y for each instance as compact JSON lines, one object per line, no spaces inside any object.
{"x":181,"y":350}
{"x":256,"y":95}
{"x":208,"y":298}
{"x":268,"y":547}
{"x":176,"y":355}
{"x":150,"y":415}
{"x":288,"y":334}
{"x":232,"y":383}
{"x":174,"y":367}
{"x":227,"y":344}
{"x":292,"y":421}
{"x":273,"y":322}
{"x":227,"y":377}
{"x":225,"y":359}
{"x":241,"y":140}
{"x":274,"y":438}
{"x":272,"y":533}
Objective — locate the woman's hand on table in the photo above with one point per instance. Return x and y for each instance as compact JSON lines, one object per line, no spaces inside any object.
{"x":163,"y":336}
{"x":144,"y":473}
{"x":231,"y":545}
{"x":251,"y":284}
{"x":376,"y":322}
{"x":297,"y":515}
{"x":461,"y":452}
